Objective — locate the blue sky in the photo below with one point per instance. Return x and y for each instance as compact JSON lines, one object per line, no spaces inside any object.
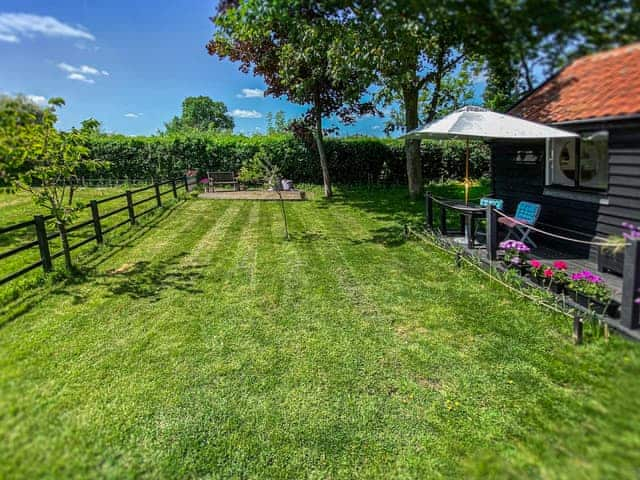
{"x":128,"y":63}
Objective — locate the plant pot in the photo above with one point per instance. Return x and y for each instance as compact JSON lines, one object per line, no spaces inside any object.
{"x":541,"y":281}
{"x":557,"y":287}
{"x":609,"y":261}
{"x":522,"y":269}
{"x":611,"y":308}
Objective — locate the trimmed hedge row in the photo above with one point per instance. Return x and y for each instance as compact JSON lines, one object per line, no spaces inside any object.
{"x":351,"y":159}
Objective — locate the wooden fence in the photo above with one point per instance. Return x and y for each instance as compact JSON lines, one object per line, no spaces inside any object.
{"x":43,"y":237}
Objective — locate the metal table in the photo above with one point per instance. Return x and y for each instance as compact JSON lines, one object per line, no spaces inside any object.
{"x":468,"y":214}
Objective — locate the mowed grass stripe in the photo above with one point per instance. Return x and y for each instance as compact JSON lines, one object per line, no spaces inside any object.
{"x":344,"y":353}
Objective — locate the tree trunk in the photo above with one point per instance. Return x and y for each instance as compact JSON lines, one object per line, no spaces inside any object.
{"x":65,"y":245}
{"x":411,"y":146}
{"x":321,"y":152}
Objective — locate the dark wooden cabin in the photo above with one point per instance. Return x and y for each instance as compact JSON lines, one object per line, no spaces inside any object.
{"x":587,"y":187}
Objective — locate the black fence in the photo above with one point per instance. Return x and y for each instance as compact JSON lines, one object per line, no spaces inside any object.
{"x":43,"y":238}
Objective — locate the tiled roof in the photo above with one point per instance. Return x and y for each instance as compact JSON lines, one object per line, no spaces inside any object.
{"x":604,"y":84}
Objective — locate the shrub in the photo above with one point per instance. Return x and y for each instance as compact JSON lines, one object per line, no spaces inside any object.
{"x":351,"y":160}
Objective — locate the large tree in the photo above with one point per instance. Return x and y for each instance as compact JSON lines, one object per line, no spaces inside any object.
{"x":414,"y":47}
{"x":289,"y":44}
{"x":524,"y":41}
{"x":202,"y":114}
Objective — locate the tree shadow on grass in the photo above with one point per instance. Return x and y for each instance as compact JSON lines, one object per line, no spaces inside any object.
{"x":150,"y":279}
{"x":28,"y":293}
{"x":388,"y":236}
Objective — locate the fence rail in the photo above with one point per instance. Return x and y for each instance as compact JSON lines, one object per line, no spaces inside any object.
{"x":43,"y":237}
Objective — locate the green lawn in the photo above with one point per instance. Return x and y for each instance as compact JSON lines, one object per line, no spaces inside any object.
{"x":17,"y":208}
{"x":203,"y":345}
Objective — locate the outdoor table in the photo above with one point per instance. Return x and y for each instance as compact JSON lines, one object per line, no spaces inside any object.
{"x":469,"y":212}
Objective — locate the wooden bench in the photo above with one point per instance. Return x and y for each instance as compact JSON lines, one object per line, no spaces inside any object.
{"x":222,"y":178}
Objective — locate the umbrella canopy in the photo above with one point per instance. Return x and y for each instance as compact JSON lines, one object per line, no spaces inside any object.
{"x":475,"y":123}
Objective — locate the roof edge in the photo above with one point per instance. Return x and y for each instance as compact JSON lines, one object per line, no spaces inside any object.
{"x":611,"y":118}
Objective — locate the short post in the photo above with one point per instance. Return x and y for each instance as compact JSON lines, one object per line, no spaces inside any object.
{"x":428,"y":211}
{"x":97,"y":227}
{"x":156,"y":187}
{"x":43,"y":243}
{"x":132,"y":214}
{"x":463,"y":224}
{"x":492,"y":234}
{"x":578,"y":328}
{"x":174,"y":188}
{"x":443,"y":219}
{"x":186,"y":184}
{"x":630,"y":316}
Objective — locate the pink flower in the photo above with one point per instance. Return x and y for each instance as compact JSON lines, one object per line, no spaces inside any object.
{"x":560,"y":265}
{"x":548,"y":272}
{"x":535,"y":263}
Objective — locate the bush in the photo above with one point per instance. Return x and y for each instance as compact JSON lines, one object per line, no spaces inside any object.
{"x":351,"y":160}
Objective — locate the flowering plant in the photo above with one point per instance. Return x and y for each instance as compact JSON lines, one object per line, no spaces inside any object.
{"x":590,"y":285}
{"x":515,"y":252}
{"x":560,"y":274}
{"x":537,"y":268}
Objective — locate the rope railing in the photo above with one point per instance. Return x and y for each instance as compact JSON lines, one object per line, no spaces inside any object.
{"x":560,"y":237}
{"x":443,"y":202}
{"x":490,"y":275}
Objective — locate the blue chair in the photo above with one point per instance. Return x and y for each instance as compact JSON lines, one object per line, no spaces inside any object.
{"x":520,"y":224}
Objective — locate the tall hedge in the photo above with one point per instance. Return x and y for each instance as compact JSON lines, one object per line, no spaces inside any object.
{"x":351,"y":159}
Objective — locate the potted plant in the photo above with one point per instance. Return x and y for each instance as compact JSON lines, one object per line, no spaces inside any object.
{"x":611,"y":256}
{"x":538,"y":273}
{"x":590,"y":291}
{"x":515,"y":255}
{"x":559,"y":277}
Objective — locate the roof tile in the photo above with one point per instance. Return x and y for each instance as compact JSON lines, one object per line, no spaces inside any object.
{"x":600,"y":85}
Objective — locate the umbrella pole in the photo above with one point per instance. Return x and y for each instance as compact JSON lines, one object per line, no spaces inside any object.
{"x":466,"y":177}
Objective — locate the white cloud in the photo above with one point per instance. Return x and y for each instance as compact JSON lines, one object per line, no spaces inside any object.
{"x":37,"y":99}
{"x":251,"y":93}
{"x":132,"y":115}
{"x":8,"y":37}
{"x":14,"y":26}
{"x":80,"y":77}
{"x":81,"y":73}
{"x":238,"y":113}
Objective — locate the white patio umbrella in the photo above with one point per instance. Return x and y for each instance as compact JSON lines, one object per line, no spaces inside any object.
{"x":475,"y":123}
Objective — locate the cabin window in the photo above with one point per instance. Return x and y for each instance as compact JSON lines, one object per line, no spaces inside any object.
{"x":579,"y":163}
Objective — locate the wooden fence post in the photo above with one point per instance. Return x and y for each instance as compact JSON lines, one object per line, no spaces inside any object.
{"x":630,"y":316}
{"x":428,"y":210}
{"x":97,"y":227}
{"x":492,"y":233}
{"x":578,"y":329}
{"x":443,"y":220}
{"x":43,"y":243}
{"x":132,"y":214}
{"x":186,"y":184}
{"x":156,"y":187}
{"x":174,"y":188}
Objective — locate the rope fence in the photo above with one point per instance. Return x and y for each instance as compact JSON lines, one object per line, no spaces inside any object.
{"x":443,"y":202}
{"x":490,"y":275}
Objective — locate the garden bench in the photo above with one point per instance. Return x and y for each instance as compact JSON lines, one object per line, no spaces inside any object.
{"x":222,"y":178}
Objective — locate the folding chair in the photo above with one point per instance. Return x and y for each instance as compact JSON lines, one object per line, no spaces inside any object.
{"x":527,"y":213}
